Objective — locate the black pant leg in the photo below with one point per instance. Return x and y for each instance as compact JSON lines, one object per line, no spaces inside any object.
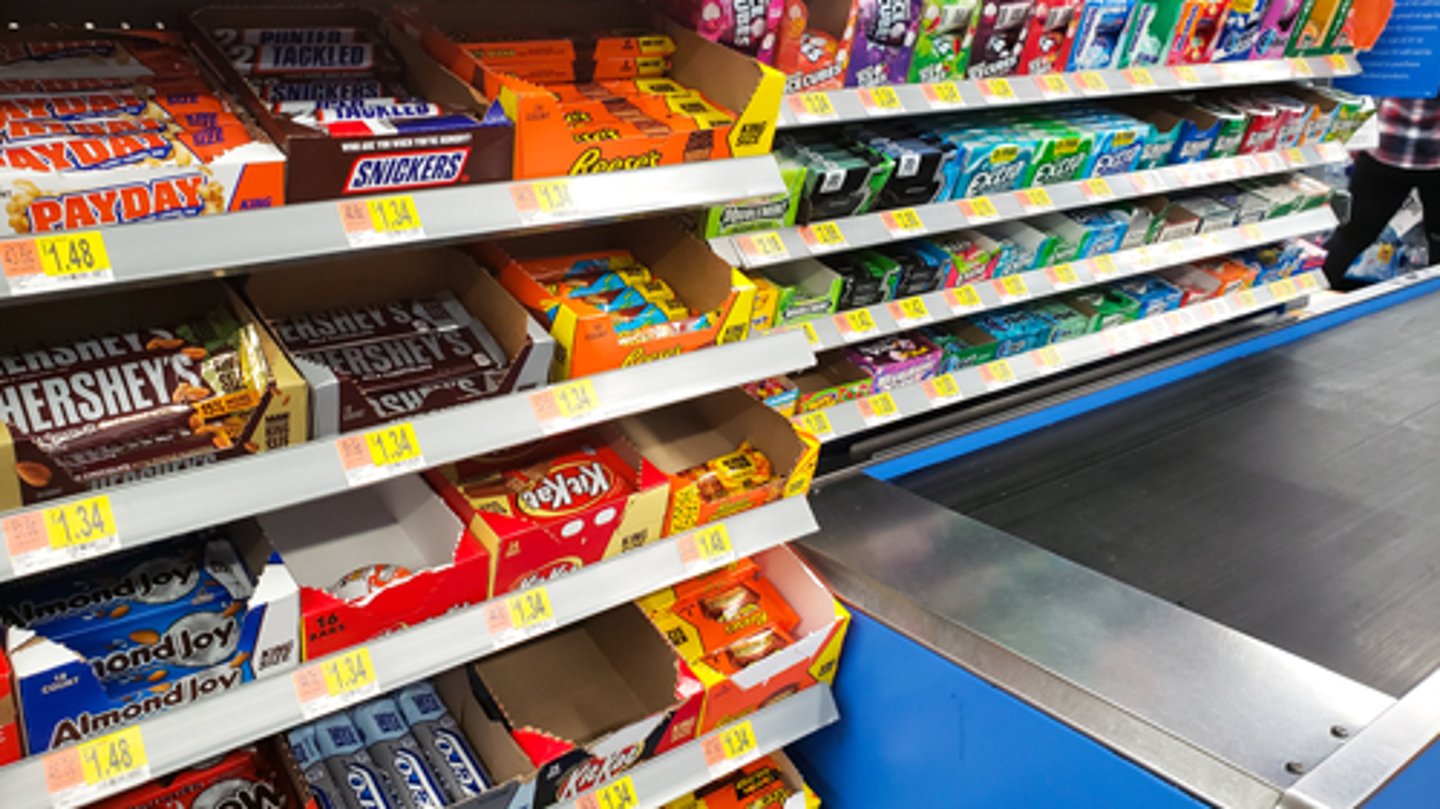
{"x":1377,"y":190}
{"x":1429,"y":184}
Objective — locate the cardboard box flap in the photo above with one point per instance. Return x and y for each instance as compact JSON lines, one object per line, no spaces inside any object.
{"x":585,"y":681}
{"x":31,"y":653}
{"x":503,"y":759}
{"x":683,"y":435}
{"x":398,"y":522}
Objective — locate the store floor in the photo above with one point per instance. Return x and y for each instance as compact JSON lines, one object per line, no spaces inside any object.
{"x":1294,"y":495}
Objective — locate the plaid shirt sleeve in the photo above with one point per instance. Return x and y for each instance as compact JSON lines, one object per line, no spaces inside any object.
{"x":1410,"y":133}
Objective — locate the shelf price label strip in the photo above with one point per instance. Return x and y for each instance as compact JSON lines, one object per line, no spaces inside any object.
{"x":42,"y":539}
{"x":705,"y":548}
{"x":520,"y":616}
{"x":618,"y":794}
{"x":336,"y":682}
{"x":47,"y":263}
{"x":90,"y":770}
{"x":381,"y":220}
{"x":731,"y":747}
{"x":566,"y":405}
{"x":381,"y":453}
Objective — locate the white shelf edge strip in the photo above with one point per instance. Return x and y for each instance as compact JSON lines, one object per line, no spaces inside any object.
{"x":939,"y":306}
{"x":684,"y":770}
{"x":849,"y":418}
{"x":765,"y":248}
{"x":151,"y":251}
{"x":855,"y":104}
{"x":151,"y":510}
{"x":187,"y":735}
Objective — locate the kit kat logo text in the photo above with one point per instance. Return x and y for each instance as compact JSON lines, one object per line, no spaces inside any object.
{"x":408,"y":170}
{"x":567,"y":488}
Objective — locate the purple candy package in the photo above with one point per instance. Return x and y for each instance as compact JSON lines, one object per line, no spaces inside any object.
{"x":1000,"y":35}
{"x":1276,"y":28}
{"x":894,"y":362}
{"x":749,"y":26}
{"x":885,"y":32}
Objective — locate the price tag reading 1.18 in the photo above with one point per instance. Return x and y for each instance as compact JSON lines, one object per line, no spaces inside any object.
{"x":380,"y":453}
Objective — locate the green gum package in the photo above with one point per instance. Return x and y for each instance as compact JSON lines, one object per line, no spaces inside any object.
{"x":942,"y":46}
{"x":760,"y":213}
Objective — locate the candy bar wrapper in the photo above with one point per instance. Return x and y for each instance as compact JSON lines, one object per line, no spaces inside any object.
{"x":411,"y":359}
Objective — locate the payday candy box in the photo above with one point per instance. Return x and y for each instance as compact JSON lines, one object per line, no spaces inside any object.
{"x":548,"y":508}
{"x":63,"y":699}
{"x":142,"y":145}
{"x":544,"y":144}
{"x":475,"y":150}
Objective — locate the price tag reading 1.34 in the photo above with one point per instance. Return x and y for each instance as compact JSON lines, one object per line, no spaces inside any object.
{"x":380,"y":453}
{"x":729,"y":748}
{"x":381,"y":220}
{"x":566,"y":405}
{"x":544,"y":201}
{"x":58,"y":535}
{"x":336,"y":682}
{"x":618,"y":794}
{"x":81,"y":774}
{"x":54,"y":262}
{"x":707,"y":547}
{"x":520,"y":616}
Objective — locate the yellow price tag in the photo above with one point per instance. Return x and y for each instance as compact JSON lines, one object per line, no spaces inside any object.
{"x":816,"y":423}
{"x":1338,"y":62}
{"x":1063,"y":275}
{"x":941,"y":390}
{"x":1139,"y":77}
{"x":944,"y":94}
{"x":1012,"y":286}
{"x":384,"y":220}
{"x":1049,"y":358}
{"x":856,"y":324}
{"x":825,"y":235}
{"x":348,"y":672}
{"x":909,"y":311}
{"x":877,"y":408}
{"x":618,"y":794}
{"x":997,"y":89}
{"x":1247,"y":298}
{"x":397,"y":214}
{"x":978,"y":209}
{"x":903,"y":222}
{"x":1251,"y":232}
{"x":738,"y":740}
{"x":1035,"y":199}
{"x":1300,"y":67}
{"x":1295,"y":156}
{"x":811,"y":334}
{"x":560,"y":406}
{"x":880,"y":101}
{"x":112,"y":755}
{"x":1186,"y":75}
{"x":762,"y":247}
{"x":81,"y":774}
{"x":1092,"y":82}
{"x":997,"y":373}
{"x":962,"y":298}
{"x":73,"y":253}
{"x":1053,"y":85}
{"x":812,"y":107}
{"x":392,"y":445}
{"x":1306,"y":282}
{"x":1102,"y":266}
{"x":706,"y":545}
{"x":1097,"y":188}
{"x":529,"y":609}
{"x":1283,"y":289}
{"x":80,"y":523}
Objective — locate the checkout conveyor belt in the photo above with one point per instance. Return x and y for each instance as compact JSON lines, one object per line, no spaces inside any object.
{"x":1293,"y":495}
{"x":1222,"y":591}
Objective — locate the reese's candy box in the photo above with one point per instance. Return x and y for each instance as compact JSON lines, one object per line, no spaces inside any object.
{"x":731,"y":618}
{"x":756,"y":785}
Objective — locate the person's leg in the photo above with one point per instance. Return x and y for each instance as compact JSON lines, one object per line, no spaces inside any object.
{"x":1377,"y":191}
{"x":1429,"y":184}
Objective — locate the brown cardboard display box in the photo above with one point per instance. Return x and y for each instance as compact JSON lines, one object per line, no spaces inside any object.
{"x":371,"y":279}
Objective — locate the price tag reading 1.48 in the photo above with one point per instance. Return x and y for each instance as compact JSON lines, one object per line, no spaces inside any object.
{"x":618,"y":794}
{"x":81,"y":774}
{"x":53,"y":262}
{"x":566,"y":405}
{"x":520,"y":616}
{"x":336,"y":682}
{"x":381,"y":220}
{"x":380,"y":453}
{"x":706,"y":547}
{"x":58,"y":535}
